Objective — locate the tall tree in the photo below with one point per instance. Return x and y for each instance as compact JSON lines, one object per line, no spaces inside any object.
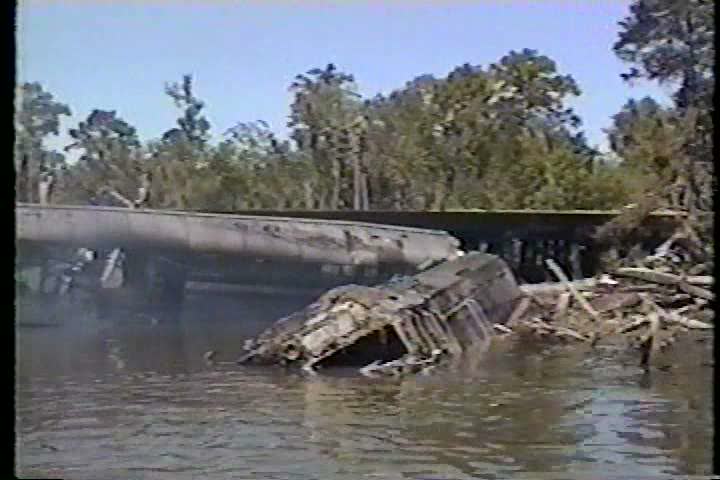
{"x":110,"y":162}
{"x":434,"y":141}
{"x":181,"y":157}
{"x":37,"y":117}
{"x":645,"y":136}
{"x":531,"y":94}
{"x":397,"y":148}
{"x":652,"y":141}
{"x":672,"y":42}
{"x":262,"y":168}
{"x":193,"y":127}
{"x":323,"y":115}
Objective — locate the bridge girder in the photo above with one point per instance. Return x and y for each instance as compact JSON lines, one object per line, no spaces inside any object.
{"x":241,"y":236}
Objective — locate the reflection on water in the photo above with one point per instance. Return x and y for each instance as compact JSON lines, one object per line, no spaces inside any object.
{"x":139,"y":401}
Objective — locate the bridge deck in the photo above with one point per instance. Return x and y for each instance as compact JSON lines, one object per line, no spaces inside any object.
{"x":294,"y":239}
{"x":474,"y":227}
{"x":370,"y":238}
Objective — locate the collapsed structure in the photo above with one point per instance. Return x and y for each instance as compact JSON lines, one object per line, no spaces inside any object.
{"x":413,"y":323}
{"x":406,"y":325}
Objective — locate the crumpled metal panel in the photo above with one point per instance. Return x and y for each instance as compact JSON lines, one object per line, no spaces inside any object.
{"x":439,"y":312}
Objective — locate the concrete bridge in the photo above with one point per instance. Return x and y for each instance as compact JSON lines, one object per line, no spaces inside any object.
{"x":132,"y":257}
{"x":267,"y":238}
{"x":475,"y":228}
{"x":314,"y":250}
{"x":524,"y":238}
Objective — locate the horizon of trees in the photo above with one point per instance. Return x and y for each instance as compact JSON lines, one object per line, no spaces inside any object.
{"x":500,"y":136}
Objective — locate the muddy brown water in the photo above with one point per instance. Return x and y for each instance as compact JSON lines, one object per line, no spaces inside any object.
{"x":138,"y":401}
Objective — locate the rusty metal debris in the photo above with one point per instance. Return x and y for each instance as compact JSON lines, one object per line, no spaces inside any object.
{"x":409,"y":324}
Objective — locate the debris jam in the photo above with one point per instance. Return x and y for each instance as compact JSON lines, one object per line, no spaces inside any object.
{"x":415,"y":324}
{"x":645,"y":303}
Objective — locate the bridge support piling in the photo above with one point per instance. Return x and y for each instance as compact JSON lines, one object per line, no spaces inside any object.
{"x":149,"y":287}
{"x":163,"y":282}
{"x":574,"y":260}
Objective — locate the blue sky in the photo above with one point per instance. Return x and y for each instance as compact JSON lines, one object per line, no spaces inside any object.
{"x":244,"y":55}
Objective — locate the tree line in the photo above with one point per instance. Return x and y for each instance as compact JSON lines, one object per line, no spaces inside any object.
{"x":500,"y":136}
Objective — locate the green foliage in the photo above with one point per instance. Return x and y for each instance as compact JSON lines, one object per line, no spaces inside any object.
{"x":672,"y":42}
{"x":327,"y":127}
{"x":182,"y":157}
{"x":193,"y":127}
{"x":495,"y":137}
{"x":38,"y":116}
{"x":538,"y":175}
{"x":110,"y":159}
{"x":500,"y":137}
{"x":648,"y":138}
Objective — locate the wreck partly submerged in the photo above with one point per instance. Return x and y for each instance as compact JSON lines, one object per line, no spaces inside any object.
{"x":406,"y":325}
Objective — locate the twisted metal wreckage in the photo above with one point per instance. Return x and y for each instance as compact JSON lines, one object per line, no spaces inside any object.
{"x":409,"y":324}
{"x":455,"y":306}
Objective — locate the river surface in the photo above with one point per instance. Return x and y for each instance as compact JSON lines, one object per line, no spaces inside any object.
{"x":138,"y":401}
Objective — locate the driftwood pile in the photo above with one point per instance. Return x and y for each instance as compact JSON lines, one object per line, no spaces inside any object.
{"x":644,"y":304}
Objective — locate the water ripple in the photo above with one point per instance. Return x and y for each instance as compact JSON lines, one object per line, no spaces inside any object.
{"x":167,"y":415}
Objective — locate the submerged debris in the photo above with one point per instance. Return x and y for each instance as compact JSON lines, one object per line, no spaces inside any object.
{"x":407,"y":325}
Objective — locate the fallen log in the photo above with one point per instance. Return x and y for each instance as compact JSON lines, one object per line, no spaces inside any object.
{"x":664,"y":278}
{"x":553,"y":288}
{"x":648,"y":303}
{"x":676,"y":317}
{"x":649,"y":344}
{"x":562,"y":305}
{"x":708,"y":280}
{"x":555,"y":268}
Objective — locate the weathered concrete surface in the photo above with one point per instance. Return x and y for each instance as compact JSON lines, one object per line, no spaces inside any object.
{"x":443,"y":310}
{"x":522,"y":238}
{"x":474,"y":226}
{"x":286,"y":239}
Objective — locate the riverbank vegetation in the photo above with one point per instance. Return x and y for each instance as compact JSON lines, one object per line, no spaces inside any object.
{"x":495,"y":136}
